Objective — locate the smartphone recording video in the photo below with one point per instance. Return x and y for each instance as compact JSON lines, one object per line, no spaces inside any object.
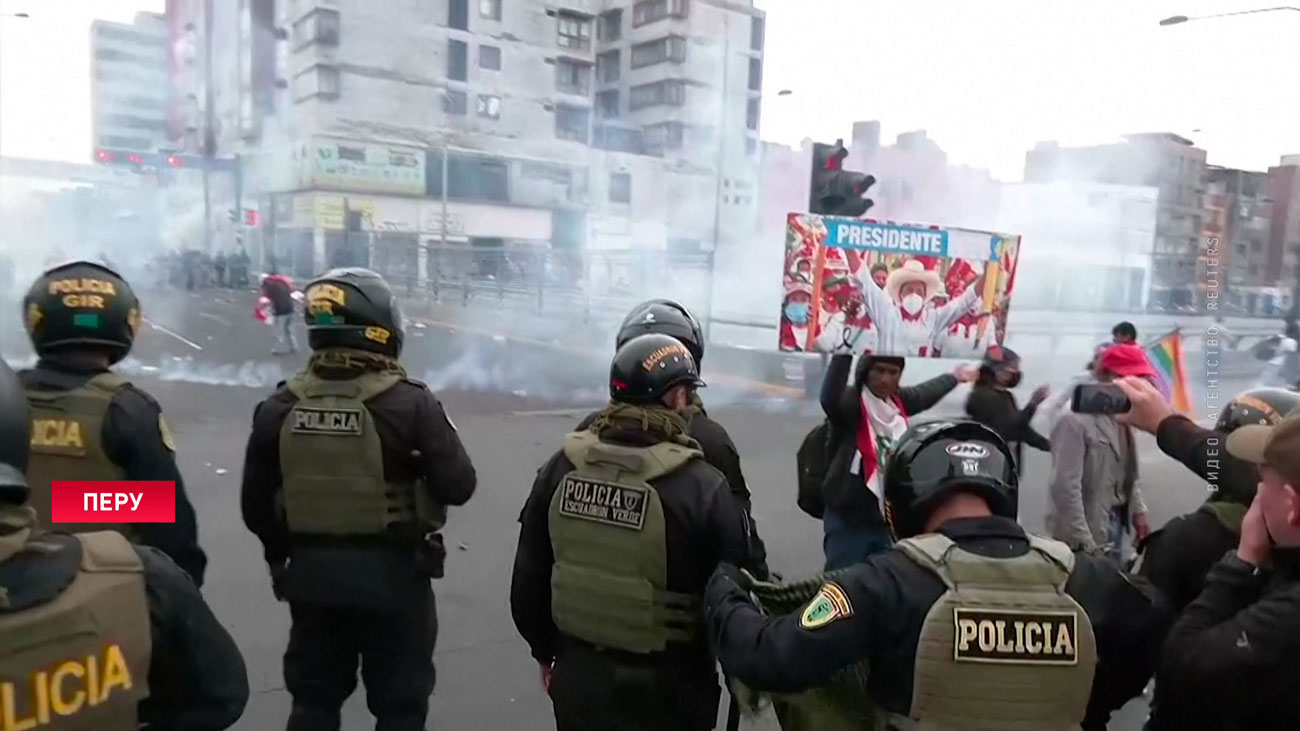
{"x":1099,"y":398}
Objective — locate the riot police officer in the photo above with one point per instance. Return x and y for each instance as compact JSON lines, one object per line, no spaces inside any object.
{"x":133,"y":642}
{"x":968,"y":622}
{"x":88,"y":423}
{"x":618,"y":537}
{"x":666,"y":317}
{"x":1177,"y":557}
{"x":349,"y":471}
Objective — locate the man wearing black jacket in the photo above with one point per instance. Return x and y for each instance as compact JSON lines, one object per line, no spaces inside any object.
{"x":1230,"y":660}
{"x":87,"y":422}
{"x":992,"y":404}
{"x":666,"y":317}
{"x":619,"y":535}
{"x":853,"y":520}
{"x":967,"y":622}
{"x":1177,"y":557}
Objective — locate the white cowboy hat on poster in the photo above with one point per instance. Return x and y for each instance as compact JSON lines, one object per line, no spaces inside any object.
{"x":913,"y":271}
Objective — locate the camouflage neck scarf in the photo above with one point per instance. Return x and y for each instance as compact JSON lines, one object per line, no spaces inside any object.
{"x":654,"y":419}
{"x":355,"y":361}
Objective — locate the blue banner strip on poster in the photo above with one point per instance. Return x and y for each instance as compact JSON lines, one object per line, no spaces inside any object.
{"x":844,"y":233}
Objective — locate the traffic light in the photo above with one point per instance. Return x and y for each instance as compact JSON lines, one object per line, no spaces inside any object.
{"x":251,"y":217}
{"x":834,"y":191}
{"x":232,"y":215}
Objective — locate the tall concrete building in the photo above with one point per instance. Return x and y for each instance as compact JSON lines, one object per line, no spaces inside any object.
{"x":1284,"y":233}
{"x":129,"y":84}
{"x":509,"y":125}
{"x":1168,"y":162}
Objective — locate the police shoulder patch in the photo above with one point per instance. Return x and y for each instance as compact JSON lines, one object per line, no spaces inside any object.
{"x":1016,"y":637}
{"x":168,"y":439}
{"x":830,"y":604}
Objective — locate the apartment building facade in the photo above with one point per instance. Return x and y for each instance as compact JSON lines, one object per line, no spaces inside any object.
{"x":1171,"y":164}
{"x":497,"y":124}
{"x":129,"y":84}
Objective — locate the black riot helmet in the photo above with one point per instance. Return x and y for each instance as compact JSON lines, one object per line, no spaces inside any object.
{"x":13,"y":437}
{"x":82,"y":304}
{"x":664,"y":317}
{"x":646,"y":367}
{"x":934,"y":460}
{"x":353,"y":308}
{"x":1264,"y":406}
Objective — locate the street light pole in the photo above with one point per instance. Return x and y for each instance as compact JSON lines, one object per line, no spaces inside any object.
{"x":209,"y":135}
{"x":1179,"y":19}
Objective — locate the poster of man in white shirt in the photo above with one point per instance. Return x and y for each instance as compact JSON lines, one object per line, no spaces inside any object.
{"x":911,"y":313}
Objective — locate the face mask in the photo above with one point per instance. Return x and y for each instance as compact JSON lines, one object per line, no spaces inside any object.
{"x":797,"y":312}
{"x":912,"y":304}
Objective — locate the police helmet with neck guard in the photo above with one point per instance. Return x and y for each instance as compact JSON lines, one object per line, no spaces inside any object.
{"x":664,"y":317}
{"x":353,"y":307}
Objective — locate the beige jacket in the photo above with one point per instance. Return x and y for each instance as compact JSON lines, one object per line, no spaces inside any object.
{"x":1094,"y":469}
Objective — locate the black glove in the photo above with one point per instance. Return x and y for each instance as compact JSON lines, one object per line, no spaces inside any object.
{"x":728,"y":575}
{"x":278,"y":572}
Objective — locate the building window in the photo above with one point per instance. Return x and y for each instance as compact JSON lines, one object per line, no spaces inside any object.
{"x":573,"y":32}
{"x":610,"y":27}
{"x":751,"y":114}
{"x":664,"y":136}
{"x":751,"y":146}
{"x":607,"y":66}
{"x":670,"y":92}
{"x":755,"y":34}
{"x":572,"y":77}
{"x":489,"y":105}
{"x":490,"y":9}
{"x":455,"y":102}
{"x":319,"y":26}
{"x":317,"y":81}
{"x":571,"y":123}
{"x":670,"y":48}
{"x":489,"y":57}
{"x":458,"y":14}
{"x":607,"y":104}
{"x":648,"y":11}
{"x":457,"y":60}
{"x":755,"y":74}
{"x":620,"y":188}
{"x":470,"y":178}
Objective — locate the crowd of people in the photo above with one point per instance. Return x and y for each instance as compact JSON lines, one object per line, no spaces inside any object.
{"x":639,"y":567}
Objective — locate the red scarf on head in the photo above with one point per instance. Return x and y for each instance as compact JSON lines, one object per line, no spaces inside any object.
{"x":867,"y":439}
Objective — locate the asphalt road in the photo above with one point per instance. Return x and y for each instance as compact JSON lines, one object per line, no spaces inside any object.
{"x":208,"y":363}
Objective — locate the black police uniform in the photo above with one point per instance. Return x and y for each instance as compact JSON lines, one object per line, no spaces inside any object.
{"x":601,"y":687}
{"x":196,"y":675}
{"x":667,"y":317}
{"x":132,"y":434}
{"x":1177,"y":557}
{"x":364,"y":597}
{"x":881,"y":606}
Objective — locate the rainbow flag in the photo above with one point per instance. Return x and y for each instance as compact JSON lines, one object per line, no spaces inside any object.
{"x":1166,"y":356}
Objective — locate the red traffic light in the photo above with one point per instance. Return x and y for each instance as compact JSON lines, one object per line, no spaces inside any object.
{"x":135,"y":159}
{"x":175,"y":161}
{"x":251,"y":217}
{"x":103,"y":156}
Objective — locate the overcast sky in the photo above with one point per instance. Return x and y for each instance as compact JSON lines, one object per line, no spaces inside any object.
{"x":986,"y":78}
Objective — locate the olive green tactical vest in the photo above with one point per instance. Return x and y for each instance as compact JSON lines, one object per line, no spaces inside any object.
{"x":1228,"y":514}
{"x":1005,"y":647}
{"x":67,"y":443}
{"x":81,"y":661}
{"x":333,"y":467}
{"x":609,"y":582}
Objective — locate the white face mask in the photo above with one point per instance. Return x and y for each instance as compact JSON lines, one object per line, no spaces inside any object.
{"x":912,"y":304}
